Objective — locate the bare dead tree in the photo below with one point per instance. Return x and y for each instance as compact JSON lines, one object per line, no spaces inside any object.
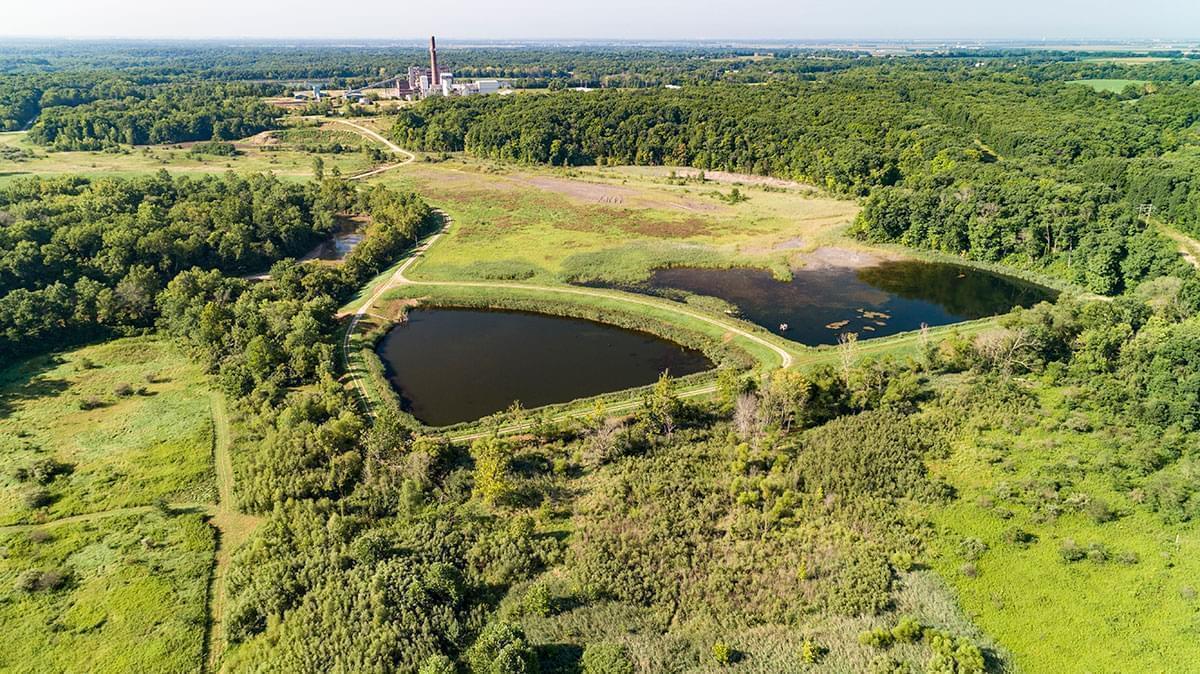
{"x":747,"y":420}
{"x":847,"y":353}
{"x":604,"y":443}
{"x":923,"y":346}
{"x":1008,"y":351}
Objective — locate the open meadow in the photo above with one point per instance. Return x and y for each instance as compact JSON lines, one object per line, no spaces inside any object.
{"x":112,"y":595}
{"x":116,"y":425}
{"x":287,"y":152}
{"x":614,"y":224}
{"x":1042,"y":521}
{"x":1114,"y":86}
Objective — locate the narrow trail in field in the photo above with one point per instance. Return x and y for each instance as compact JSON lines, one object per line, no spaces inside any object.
{"x":373,"y":135}
{"x":177,"y":508}
{"x":233,"y":528}
{"x":1189,"y":248}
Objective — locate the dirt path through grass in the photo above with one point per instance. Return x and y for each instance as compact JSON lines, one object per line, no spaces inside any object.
{"x":1189,"y":248}
{"x":364,"y":131}
{"x":233,"y":528}
{"x":175,"y":508}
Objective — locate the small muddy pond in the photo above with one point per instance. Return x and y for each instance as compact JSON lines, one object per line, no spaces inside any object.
{"x":819,"y":304}
{"x":334,"y":249}
{"x":452,"y":365}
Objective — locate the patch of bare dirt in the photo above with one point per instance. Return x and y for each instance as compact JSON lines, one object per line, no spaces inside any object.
{"x":666,"y":229}
{"x":828,"y":257}
{"x":261,"y":139}
{"x":594,"y":192}
{"x":728,"y":177}
{"x":614,"y":195}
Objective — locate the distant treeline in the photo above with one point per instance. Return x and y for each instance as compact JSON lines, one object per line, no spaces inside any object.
{"x":992,"y":165}
{"x":161,"y":114}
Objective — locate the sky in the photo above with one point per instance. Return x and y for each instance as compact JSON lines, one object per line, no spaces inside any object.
{"x":603,"y":19}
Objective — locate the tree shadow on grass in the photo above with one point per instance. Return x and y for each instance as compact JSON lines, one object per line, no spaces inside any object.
{"x":29,"y":381}
{"x":559,"y":658}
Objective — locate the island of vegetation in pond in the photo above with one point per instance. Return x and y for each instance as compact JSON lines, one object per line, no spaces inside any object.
{"x":820,"y":304}
{"x":452,"y":365}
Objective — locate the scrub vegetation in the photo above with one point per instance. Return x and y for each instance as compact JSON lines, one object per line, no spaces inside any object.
{"x":1017,"y":493}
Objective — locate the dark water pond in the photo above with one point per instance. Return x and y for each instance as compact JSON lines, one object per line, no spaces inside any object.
{"x":453,"y":365}
{"x":336,"y":248}
{"x":819,"y":304}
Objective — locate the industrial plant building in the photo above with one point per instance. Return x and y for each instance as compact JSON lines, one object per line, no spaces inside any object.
{"x":418,"y":83}
{"x":434,"y":81}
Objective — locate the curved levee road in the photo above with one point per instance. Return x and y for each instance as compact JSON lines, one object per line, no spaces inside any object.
{"x":785,"y":357}
{"x":376,"y":136}
{"x":399,"y":277}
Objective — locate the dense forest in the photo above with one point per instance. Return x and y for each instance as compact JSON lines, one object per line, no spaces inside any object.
{"x":166,"y":114}
{"x":85,"y":258}
{"x":993,"y":166}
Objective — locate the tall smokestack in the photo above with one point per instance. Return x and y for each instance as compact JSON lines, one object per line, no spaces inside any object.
{"x":435,"y":76}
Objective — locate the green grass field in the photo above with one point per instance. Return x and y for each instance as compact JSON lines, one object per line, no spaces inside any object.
{"x":153,"y":441}
{"x":118,"y":594}
{"x":1055,"y":616}
{"x":255,"y":156}
{"x":550,"y":224}
{"x":1110,"y":85}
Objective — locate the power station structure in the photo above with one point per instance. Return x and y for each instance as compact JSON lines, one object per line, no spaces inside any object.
{"x":433,"y":66}
{"x":420,"y":82}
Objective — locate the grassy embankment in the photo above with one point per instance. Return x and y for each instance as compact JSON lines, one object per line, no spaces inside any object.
{"x":553,"y":227}
{"x":102,"y":578}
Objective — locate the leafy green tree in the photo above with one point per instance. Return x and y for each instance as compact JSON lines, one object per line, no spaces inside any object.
{"x":492,"y":457}
{"x":501,"y":648}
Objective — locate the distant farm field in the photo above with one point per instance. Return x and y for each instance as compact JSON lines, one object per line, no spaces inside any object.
{"x":115,"y":425}
{"x":288,"y":157}
{"x":117,"y":594}
{"x":611,"y":223}
{"x":1112,"y":86}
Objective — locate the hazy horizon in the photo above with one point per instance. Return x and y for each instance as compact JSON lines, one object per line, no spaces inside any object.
{"x":616,"y":20}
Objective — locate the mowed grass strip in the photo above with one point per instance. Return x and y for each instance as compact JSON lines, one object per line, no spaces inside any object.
{"x":115,"y":425}
{"x":114,"y":595}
